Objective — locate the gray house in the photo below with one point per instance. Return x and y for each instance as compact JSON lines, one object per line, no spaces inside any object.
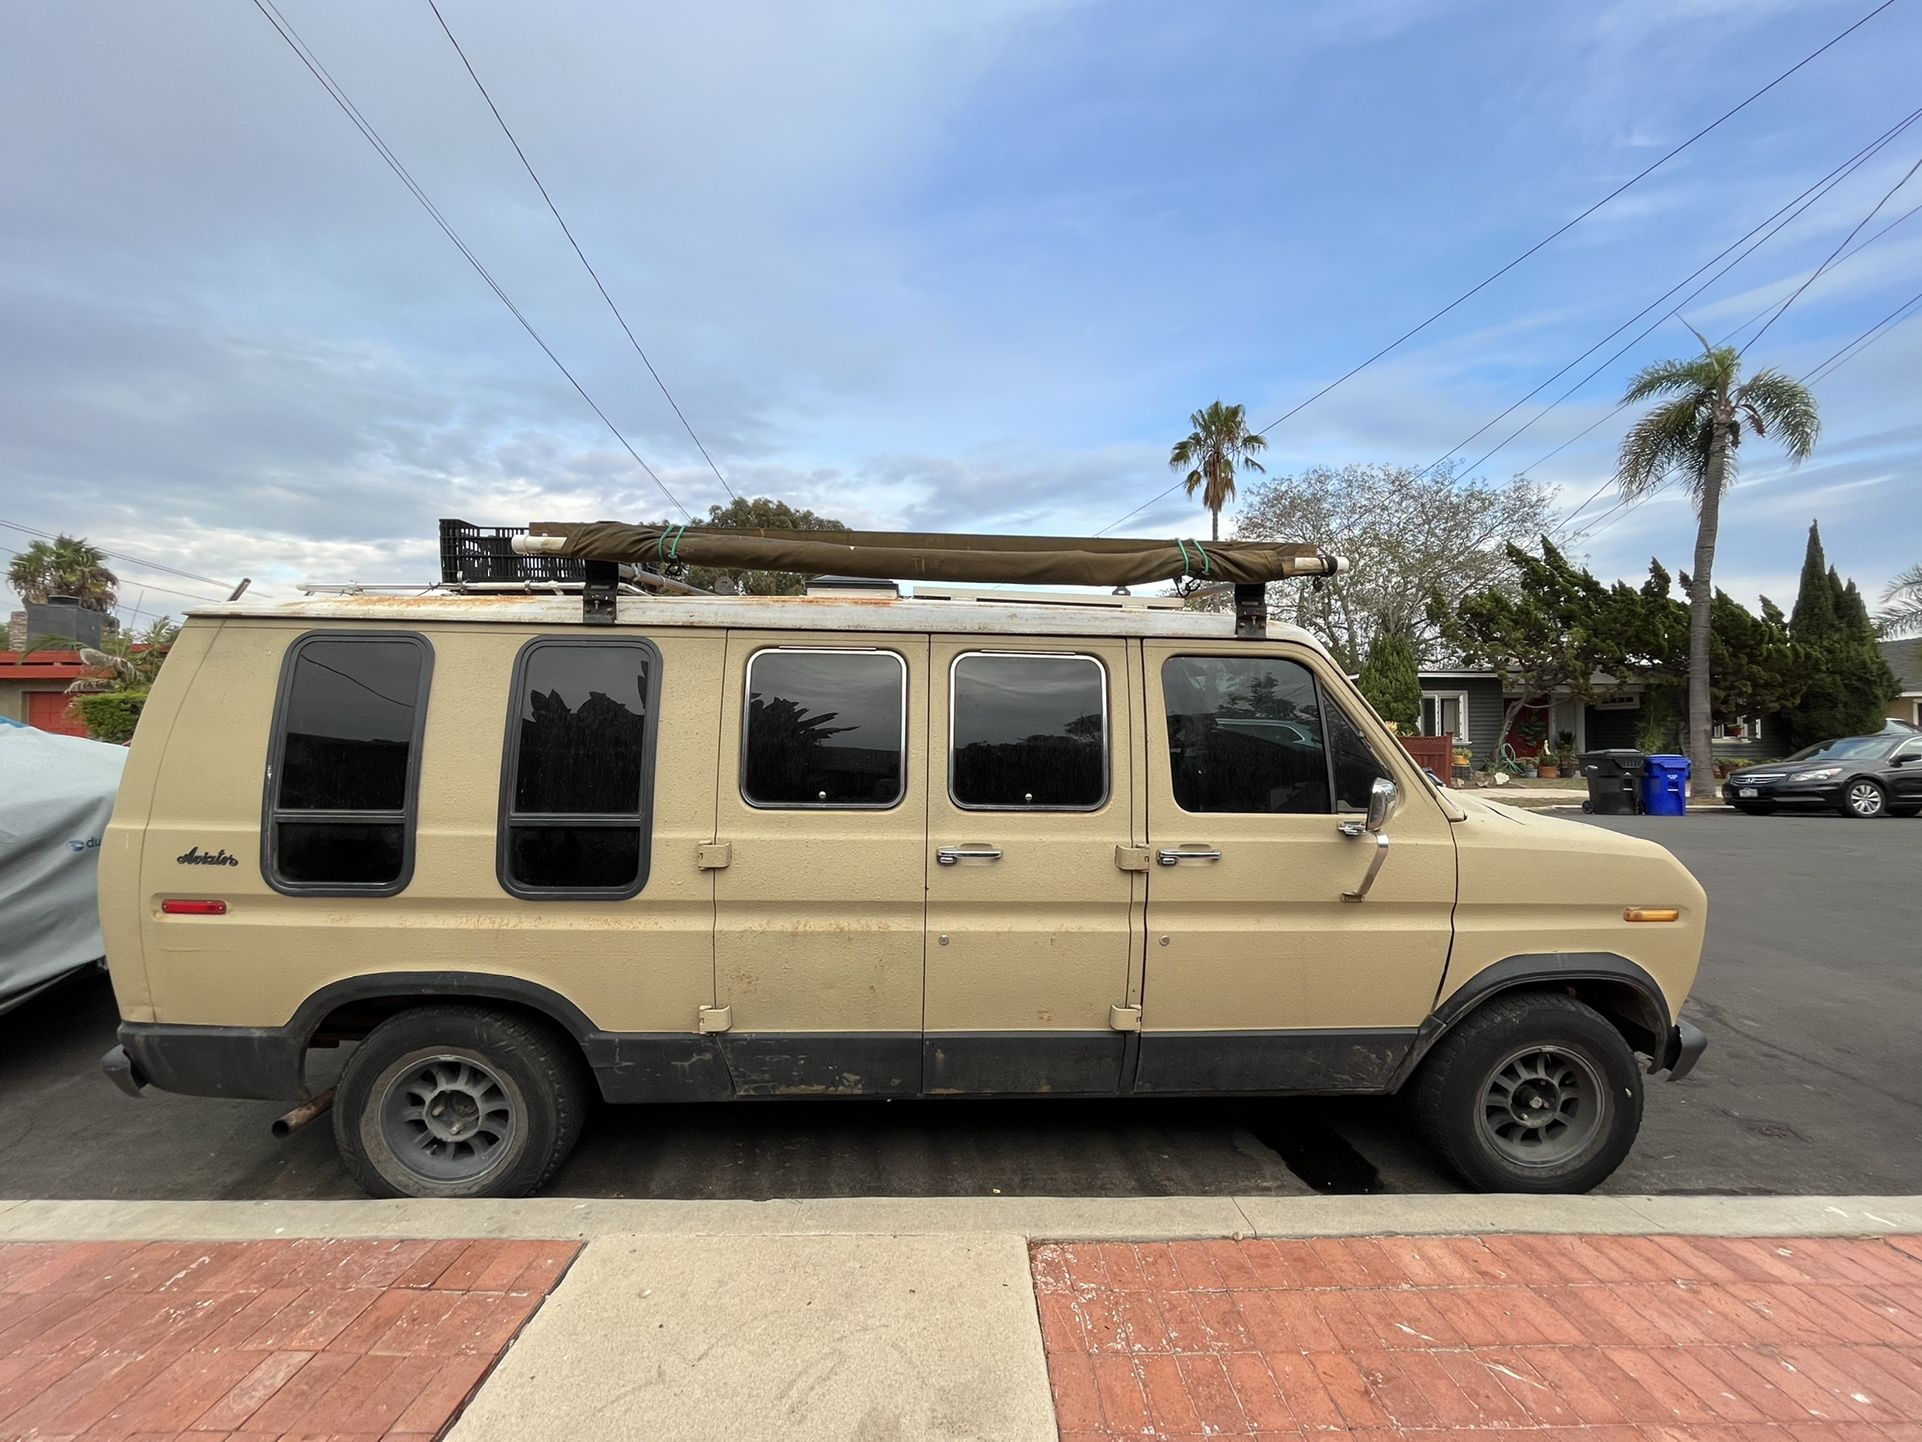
{"x":1905,"y":659}
{"x":1470,"y":705}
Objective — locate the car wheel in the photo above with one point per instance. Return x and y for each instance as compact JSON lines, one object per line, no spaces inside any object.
{"x":1751,"y":809}
{"x":459,"y":1101}
{"x":1865,"y":799}
{"x":1535,"y":1092}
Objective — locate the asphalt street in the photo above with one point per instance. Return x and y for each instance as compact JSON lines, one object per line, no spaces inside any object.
{"x":1811,"y":993}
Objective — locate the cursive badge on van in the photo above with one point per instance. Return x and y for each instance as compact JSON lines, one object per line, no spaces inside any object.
{"x":194,"y":856}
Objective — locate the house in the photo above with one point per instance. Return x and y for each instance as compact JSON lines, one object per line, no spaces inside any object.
{"x":1470,"y":704}
{"x":34,"y":690}
{"x":1905,"y":659}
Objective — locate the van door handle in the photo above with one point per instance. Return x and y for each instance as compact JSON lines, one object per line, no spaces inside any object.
{"x":1168,"y":856}
{"x":955,"y":855}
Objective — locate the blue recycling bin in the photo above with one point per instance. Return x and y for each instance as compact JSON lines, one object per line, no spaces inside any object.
{"x":1665,"y":786}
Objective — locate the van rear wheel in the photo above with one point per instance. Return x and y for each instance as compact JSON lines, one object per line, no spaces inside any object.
{"x":1532,"y":1093}
{"x":458,"y":1101}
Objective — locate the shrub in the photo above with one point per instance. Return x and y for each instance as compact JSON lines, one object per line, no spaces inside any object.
{"x":111,"y":715}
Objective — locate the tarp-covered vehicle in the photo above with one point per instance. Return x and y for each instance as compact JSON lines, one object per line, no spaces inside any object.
{"x":56,"y":793}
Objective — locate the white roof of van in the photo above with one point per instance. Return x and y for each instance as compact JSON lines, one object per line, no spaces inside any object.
{"x":1048,"y":614}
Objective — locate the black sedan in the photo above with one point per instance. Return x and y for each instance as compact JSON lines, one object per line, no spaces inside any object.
{"x":1863,"y":776}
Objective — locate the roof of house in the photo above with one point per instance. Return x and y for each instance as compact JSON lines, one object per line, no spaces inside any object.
{"x":46,"y":665}
{"x":1905,"y":659}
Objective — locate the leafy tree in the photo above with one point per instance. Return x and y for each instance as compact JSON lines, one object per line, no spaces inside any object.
{"x":1848,"y":683}
{"x":1219,"y":442}
{"x":1392,"y":682}
{"x":1696,"y":433}
{"x":762,"y":513}
{"x":1410,"y":536}
{"x":1901,"y":613}
{"x":64,"y":566}
{"x":1554,"y":626}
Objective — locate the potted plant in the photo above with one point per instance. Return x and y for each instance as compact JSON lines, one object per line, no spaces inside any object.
{"x":1533,"y":734}
{"x":1565,"y":752}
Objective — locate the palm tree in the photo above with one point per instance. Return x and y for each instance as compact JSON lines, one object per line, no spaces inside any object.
{"x":65,"y":566}
{"x":1695,"y":434}
{"x":1902,"y":613}
{"x":1219,"y":442}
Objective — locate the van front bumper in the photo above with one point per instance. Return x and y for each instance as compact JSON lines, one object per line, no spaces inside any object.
{"x":1686,"y":1043}
{"x":260,"y":1063}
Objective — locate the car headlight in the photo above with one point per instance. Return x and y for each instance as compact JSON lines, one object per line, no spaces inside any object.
{"x":1820,"y":773}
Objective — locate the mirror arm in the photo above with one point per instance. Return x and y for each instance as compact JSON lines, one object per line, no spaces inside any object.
{"x":1360,"y":893}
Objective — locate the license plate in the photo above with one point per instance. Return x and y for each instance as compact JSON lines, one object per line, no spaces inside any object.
{"x":1746,"y":791}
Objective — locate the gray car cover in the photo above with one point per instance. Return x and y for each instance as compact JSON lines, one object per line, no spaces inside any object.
{"x":56,"y":793}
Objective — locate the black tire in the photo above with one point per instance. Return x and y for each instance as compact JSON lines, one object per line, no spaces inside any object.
{"x":1864,"y":799}
{"x":1751,"y":809}
{"x":1459,"y":1075}
{"x":518,"y":1087}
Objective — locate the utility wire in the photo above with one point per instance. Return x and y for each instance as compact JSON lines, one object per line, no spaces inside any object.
{"x":1808,"y":377}
{"x":372,"y":136}
{"x":1774,"y":224}
{"x":553,"y":209}
{"x":1817,"y":272}
{"x":1569,"y":519}
{"x":129,"y":559}
{"x":1545,"y":240}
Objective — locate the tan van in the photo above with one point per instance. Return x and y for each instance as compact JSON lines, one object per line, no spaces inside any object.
{"x":519,"y":849}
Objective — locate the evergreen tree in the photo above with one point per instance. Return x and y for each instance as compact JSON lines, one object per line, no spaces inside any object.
{"x":1849,"y":684}
{"x":1391,"y":681}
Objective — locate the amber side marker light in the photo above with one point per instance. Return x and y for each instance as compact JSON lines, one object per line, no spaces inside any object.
{"x":1652,"y":913}
{"x":175,"y":907}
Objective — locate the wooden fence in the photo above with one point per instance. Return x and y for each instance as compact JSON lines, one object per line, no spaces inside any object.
{"x":1436,"y":753}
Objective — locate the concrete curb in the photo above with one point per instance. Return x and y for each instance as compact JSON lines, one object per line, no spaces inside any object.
{"x":1047,"y":1218}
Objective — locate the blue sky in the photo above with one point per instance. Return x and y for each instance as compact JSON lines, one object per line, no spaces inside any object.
{"x":944,"y":267}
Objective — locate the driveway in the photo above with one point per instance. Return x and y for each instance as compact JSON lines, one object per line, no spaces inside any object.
{"x":1810,"y":993}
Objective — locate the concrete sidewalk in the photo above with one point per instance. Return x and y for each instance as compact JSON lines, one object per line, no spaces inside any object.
{"x":1596,"y":1317}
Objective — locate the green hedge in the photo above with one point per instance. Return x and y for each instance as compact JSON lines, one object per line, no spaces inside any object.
{"x":111,"y":715}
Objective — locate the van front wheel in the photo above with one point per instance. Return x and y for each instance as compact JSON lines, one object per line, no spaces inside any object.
{"x":1532,"y":1093}
{"x":458,"y":1101}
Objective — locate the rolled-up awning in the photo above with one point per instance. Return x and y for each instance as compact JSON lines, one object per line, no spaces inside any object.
{"x":926,"y":556}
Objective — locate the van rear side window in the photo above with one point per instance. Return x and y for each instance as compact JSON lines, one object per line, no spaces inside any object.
{"x":344,"y":766}
{"x":1028,"y":730}
{"x":824,"y":728}
{"x":576,"y":795}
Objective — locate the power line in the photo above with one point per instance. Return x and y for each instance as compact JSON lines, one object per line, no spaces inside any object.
{"x":1861,"y":343}
{"x":129,"y":559}
{"x":1808,"y":377}
{"x":528,"y":166}
{"x":1817,"y":272}
{"x":1774,"y":224}
{"x":339,"y":96}
{"x":1545,"y":240}
{"x":1569,"y":519}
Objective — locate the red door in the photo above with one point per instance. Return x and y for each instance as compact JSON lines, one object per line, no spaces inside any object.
{"x":51,"y":711}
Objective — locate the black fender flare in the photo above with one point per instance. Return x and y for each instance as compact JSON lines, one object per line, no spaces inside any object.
{"x":1548,"y":969}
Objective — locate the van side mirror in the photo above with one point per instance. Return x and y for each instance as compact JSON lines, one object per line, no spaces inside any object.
{"x":1384,"y":799}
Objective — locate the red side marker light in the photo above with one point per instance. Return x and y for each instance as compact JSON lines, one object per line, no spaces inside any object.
{"x":175,"y":906}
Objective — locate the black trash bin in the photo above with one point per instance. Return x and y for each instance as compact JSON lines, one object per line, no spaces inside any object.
{"x":1612,"y":780}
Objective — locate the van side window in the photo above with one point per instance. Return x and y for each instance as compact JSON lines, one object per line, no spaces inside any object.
{"x":1028,"y":730}
{"x":579,"y":769}
{"x":824,"y":728}
{"x":344,"y":764}
{"x":1244,"y":734}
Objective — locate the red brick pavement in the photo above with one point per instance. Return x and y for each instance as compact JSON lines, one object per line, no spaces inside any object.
{"x":1654,"y":1339}
{"x":252,"y":1341}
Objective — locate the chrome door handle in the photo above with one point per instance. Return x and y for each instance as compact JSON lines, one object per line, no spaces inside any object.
{"x":1169,"y":856}
{"x":955,"y":855}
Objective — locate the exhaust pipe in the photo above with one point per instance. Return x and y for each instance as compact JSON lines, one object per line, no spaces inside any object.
{"x":293,"y":1121}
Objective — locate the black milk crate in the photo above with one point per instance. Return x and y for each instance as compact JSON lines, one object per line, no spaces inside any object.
{"x":486,"y":554}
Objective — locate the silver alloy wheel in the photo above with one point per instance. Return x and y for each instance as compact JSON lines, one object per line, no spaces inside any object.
{"x":447,"y":1118}
{"x":1865,"y":798}
{"x":1542,"y":1106}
